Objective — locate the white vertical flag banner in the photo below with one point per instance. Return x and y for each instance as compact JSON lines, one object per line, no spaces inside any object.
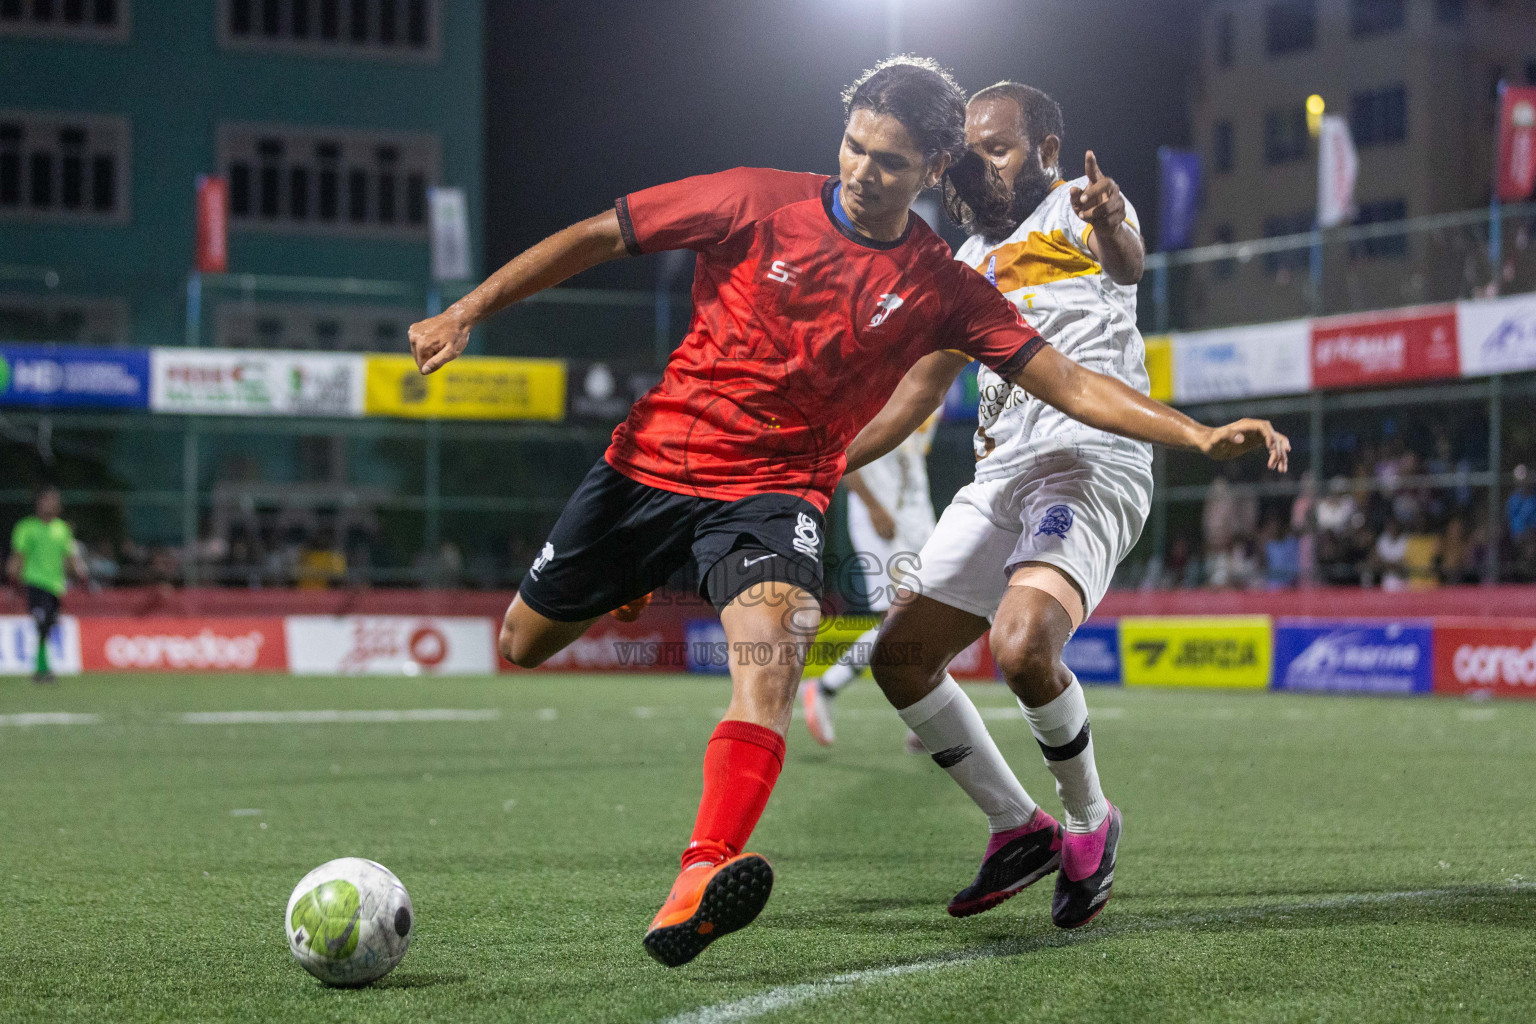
{"x":1337,"y":167}
{"x":450,"y":234}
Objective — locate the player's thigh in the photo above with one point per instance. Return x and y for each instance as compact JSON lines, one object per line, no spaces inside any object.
{"x":528,"y":638}
{"x":918,"y":640}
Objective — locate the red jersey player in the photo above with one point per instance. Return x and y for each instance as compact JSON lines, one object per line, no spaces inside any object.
{"x":812,"y":297}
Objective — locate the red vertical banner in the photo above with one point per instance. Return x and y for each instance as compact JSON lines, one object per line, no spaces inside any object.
{"x":1516,"y":173}
{"x":212,"y":224}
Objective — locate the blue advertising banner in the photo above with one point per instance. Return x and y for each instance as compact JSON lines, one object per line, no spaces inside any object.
{"x":1094,"y":653}
{"x":74,"y":377}
{"x":961,"y":399}
{"x":706,"y":647}
{"x":1180,"y":197}
{"x":1353,"y":657}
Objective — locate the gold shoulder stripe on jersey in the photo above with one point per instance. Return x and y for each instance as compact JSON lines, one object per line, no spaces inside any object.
{"x":1041,"y":258}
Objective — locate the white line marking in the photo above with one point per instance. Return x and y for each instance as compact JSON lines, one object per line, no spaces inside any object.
{"x":1477,"y":714}
{"x":327,"y":717}
{"x":245,"y":812}
{"x":49,"y":718}
{"x":785,"y":996}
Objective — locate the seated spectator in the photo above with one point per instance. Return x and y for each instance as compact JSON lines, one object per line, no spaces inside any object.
{"x":1387,"y":564}
{"x":1282,"y":556}
{"x":1235,"y":568}
{"x":1336,"y":512}
{"x":1458,"y":562}
{"x":321,"y":565}
{"x":1422,"y":556}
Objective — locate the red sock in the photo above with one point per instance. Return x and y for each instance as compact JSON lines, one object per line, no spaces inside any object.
{"x":741,"y":764}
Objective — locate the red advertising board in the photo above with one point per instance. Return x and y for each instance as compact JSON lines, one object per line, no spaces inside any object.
{"x":1516,"y":172}
{"x":189,"y":645}
{"x":212,"y":224}
{"x":1478,"y":656}
{"x":1383,"y":348}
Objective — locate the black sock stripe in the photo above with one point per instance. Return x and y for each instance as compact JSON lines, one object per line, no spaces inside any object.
{"x":1067,"y":750}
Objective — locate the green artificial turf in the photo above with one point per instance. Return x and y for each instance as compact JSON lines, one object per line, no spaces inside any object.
{"x":1285,"y":858}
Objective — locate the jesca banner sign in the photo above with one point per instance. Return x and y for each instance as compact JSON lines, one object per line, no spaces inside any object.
{"x":238,"y":382}
{"x":1497,"y":335}
{"x":1474,"y":656}
{"x":469,"y":388}
{"x":1231,"y":650}
{"x":73,"y":377}
{"x":390,"y":645}
{"x":1374,"y":349}
{"x":1241,"y":362}
{"x":1353,"y":657}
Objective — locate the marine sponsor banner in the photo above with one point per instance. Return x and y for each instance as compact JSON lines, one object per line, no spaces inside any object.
{"x":1240,"y":362}
{"x":183,"y":644}
{"x":1353,"y":656}
{"x":1475,"y":656}
{"x":1497,"y":335}
{"x":1385,"y":348}
{"x":241,"y":382}
{"x":18,"y":646}
{"x":1231,"y":650}
{"x":469,"y":388}
{"x":1160,"y":366}
{"x":74,"y":377}
{"x":1093,"y":653}
{"x":390,"y":645}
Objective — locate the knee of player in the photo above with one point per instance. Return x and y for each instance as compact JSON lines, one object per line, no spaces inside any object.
{"x":515,"y":650}
{"x":1024,"y":651}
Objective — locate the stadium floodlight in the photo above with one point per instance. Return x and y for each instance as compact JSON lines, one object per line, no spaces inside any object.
{"x":1315,"y":108}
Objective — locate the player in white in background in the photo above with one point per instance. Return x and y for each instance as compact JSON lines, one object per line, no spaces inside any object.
{"x":1031,"y":544}
{"x":890,"y":517}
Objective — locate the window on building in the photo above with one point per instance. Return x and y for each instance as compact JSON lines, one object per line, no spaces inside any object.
{"x":1224,"y":39}
{"x":57,"y":167}
{"x":63,"y":319}
{"x":313,"y":180}
{"x":1451,"y":12}
{"x":1372,"y":17}
{"x":89,"y":20}
{"x":1222,"y":155}
{"x":1285,"y":134}
{"x":326,"y":327}
{"x":1223,"y":269}
{"x":400,"y":29}
{"x":1379,"y":117}
{"x":1381,"y":212}
{"x":1288,"y":224}
{"x":1289,"y":25}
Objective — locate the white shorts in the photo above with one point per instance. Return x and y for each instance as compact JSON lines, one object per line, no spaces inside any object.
{"x":884,"y":563}
{"x":1081,"y":516}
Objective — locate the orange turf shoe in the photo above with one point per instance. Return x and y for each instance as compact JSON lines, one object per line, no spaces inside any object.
{"x":631,"y":611}
{"x":706,"y":902}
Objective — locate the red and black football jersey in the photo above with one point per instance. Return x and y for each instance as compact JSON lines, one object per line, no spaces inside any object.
{"x":801,"y":330}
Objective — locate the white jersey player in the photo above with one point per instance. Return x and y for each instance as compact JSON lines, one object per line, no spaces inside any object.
{"x":890,"y":518}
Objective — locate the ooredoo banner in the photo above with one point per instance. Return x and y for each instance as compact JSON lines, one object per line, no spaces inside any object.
{"x":183,"y":645}
{"x":390,"y":645}
{"x":1472,"y":656}
{"x":1360,"y":351}
{"x":18,"y":646}
{"x":1352,"y":657}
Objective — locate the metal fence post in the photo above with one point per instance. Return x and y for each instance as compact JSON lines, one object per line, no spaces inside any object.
{"x":189,"y":503}
{"x":432,"y":472}
{"x":1495,"y":467}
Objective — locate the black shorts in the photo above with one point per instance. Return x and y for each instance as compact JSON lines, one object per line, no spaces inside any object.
{"x":618,"y":540}
{"x":43,"y":606}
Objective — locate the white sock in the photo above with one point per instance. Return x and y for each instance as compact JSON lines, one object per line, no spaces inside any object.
{"x":1061,"y":729}
{"x":951,"y":729}
{"x":853,"y":662}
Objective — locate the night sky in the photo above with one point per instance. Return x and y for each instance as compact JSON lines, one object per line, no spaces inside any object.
{"x":586,"y":100}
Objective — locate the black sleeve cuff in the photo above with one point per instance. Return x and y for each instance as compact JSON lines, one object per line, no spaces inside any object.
{"x":626,"y":226}
{"x":1016,"y":362}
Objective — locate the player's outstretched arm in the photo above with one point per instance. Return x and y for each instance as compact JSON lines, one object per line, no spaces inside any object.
{"x":1116,"y":244}
{"x":439,"y":340}
{"x":920,"y":392}
{"x":1107,"y":404}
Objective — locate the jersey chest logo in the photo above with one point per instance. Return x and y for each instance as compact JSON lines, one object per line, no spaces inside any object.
{"x":889,"y":303}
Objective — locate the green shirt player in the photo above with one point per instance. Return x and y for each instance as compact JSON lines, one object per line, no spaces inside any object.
{"x":42,"y":549}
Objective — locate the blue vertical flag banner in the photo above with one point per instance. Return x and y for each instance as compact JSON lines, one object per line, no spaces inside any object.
{"x":1179,"y":197}
{"x":74,"y":377}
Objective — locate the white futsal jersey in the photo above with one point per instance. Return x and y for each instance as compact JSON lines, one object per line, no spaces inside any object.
{"x":1046,"y":269}
{"x":899,"y":481}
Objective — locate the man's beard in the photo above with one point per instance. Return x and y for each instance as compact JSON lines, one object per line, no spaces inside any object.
{"x":1004,"y":211}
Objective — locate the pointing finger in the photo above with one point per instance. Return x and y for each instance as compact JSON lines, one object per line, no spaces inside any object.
{"x":1091,"y":165}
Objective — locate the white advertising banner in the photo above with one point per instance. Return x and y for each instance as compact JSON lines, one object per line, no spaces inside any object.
{"x":1241,"y":362}
{"x":240,"y":382}
{"x":18,"y":646}
{"x":390,"y":645}
{"x":1497,"y":335}
{"x":450,"y":233}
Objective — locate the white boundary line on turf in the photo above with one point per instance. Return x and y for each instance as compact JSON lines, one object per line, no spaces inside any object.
{"x":786,"y":996}
{"x":328,"y":717}
{"x":31,"y":718}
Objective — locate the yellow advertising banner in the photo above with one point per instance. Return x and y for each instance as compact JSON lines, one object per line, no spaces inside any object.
{"x":1160,"y":366}
{"x":1227,"y":650}
{"x":469,"y":388}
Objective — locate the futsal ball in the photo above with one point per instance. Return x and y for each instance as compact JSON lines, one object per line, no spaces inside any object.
{"x":349,"y":921}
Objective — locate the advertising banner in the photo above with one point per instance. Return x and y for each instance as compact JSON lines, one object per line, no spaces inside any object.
{"x":1229,"y":650}
{"x":1385,"y":348}
{"x":1353,"y":657}
{"x":450,"y":233}
{"x":74,"y":377}
{"x":1338,"y":165}
{"x":1241,"y":362}
{"x":961,"y":399}
{"x":390,"y":645}
{"x":1160,"y":366}
{"x":469,"y":388}
{"x":1497,"y":335}
{"x":1516,"y":172}
{"x":1093,"y":653}
{"x":604,"y":391}
{"x":1178,"y":196}
{"x":18,"y":646}
{"x":240,"y":382}
{"x":1476,"y":656}
{"x":183,"y":645}
{"x":212,"y":224}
